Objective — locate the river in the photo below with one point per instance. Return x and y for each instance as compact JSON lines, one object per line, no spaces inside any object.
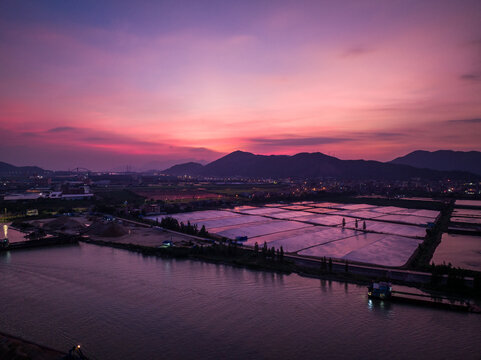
{"x":123,"y":305}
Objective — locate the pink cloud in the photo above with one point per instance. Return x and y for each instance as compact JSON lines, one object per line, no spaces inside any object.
{"x":288,"y":75}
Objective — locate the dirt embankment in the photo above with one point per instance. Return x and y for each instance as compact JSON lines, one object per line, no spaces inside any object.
{"x":13,"y":348}
{"x":64,"y":224}
{"x":107,"y":229}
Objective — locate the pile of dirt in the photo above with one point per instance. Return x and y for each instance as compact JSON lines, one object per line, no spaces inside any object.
{"x":64,"y":223}
{"x":37,"y":224}
{"x":107,"y":229}
{"x":20,"y":225}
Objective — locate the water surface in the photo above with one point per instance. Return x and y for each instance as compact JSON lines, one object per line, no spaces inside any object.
{"x":122,"y":305}
{"x":460,"y":250}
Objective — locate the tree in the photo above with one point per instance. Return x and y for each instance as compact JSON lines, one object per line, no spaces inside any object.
{"x":256,"y":248}
{"x":170,"y":223}
{"x":346,"y":267}
{"x":435,"y":275}
{"x":282,"y":254}
{"x":330,"y":264}
{"x":477,"y":283}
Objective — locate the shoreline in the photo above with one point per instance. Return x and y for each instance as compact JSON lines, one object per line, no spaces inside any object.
{"x":16,"y":348}
{"x":360,"y":274}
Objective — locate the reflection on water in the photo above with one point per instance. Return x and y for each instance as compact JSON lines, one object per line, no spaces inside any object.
{"x":13,"y":235}
{"x":5,"y":257}
{"x":380,"y":306}
{"x":122,"y":305}
{"x":459,"y":250}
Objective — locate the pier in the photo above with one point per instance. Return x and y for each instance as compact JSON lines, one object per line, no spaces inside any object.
{"x":433,"y":301}
{"x":48,"y":241}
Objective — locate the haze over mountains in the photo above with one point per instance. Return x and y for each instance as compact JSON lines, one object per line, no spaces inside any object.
{"x":307,"y":165}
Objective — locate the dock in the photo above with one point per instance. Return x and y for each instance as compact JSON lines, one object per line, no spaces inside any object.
{"x":433,"y":301}
{"x":49,"y":241}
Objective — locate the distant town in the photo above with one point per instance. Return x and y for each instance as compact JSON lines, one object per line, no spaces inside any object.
{"x":40,"y":205}
{"x":240,"y":179}
{"x":32,"y":190}
{"x":408,"y":234}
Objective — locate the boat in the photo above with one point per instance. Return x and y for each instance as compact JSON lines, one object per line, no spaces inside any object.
{"x":383,"y":291}
{"x":379,"y":290}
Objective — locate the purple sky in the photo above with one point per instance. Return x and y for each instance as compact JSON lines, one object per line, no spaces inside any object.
{"x":148,"y":84}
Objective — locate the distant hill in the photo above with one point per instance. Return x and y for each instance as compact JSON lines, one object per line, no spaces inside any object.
{"x":444,"y":160}
{"x":11,"y":170}
{"x":190,"y":168}
{"x":308,"y":165}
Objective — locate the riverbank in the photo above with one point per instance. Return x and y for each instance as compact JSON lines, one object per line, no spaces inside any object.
{"x":175,"y":307}
{"x":233,"y":255}
{"x":15,"y":348}
{"x":44,"y":242}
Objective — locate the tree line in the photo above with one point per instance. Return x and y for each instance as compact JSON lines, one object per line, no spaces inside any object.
{"x":173,"y":224}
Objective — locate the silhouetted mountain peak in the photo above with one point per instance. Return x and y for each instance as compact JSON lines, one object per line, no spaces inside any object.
{"x":443,"y":160}
{"x":238,"y":154}
{"x":305,"y":165}
{"x":12,"y":170}
{"x":189,"y":168}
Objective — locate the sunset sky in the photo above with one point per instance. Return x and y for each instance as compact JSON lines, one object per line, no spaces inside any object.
{"x":105,"y":84}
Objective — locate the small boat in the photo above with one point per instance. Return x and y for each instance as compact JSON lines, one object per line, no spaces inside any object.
{"x":379,"y":290}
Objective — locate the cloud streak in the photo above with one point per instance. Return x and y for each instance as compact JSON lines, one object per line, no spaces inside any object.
{"x":97,"y":150}
{"x":276,"y":78}
{"x":465,"y":121}
{"x":61,"y":129}
{"x":357,"y":51}
{"x":296,"y":141}
{"x":470,"y":77}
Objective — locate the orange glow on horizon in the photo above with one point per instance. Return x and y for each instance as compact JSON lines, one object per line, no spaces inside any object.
{"x":279,"y":81}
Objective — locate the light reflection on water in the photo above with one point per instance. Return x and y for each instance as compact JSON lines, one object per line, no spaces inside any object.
{"x":123,"y":305}
{"x":5,"y":256}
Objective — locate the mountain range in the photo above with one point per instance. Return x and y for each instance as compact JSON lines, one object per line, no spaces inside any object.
{"x":312,"y":165}
{"x":423,"y":164}
{"x":443,"y":160}
{"x":11,"y":170}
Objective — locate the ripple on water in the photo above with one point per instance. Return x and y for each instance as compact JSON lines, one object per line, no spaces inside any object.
{"x":124,"y":305}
